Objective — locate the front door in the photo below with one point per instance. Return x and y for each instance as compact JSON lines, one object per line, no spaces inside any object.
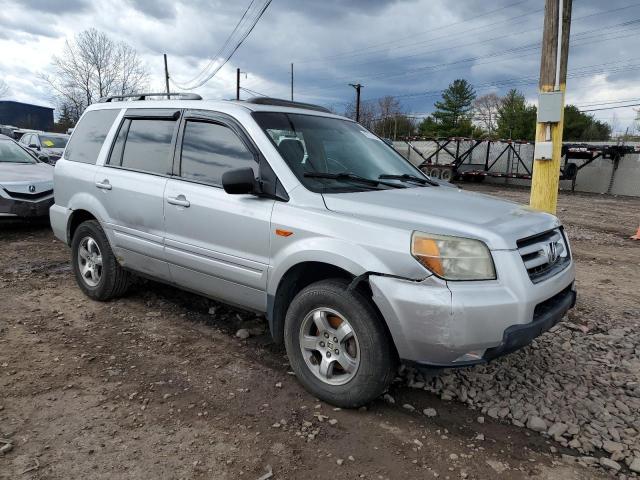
{"x":216,"y":243}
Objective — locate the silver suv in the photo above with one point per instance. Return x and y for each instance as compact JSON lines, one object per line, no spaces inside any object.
{"x":357,"y":259}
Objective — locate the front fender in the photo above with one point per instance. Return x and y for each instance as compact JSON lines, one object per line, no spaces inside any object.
{"x":323,"y":250}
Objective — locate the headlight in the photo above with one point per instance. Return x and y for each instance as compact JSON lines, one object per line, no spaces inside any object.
{"x":453,"y":258}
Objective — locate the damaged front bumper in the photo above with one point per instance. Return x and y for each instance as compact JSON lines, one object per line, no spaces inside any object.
{"x":446,"y":324}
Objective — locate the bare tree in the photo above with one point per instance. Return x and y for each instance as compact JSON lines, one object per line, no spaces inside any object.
{"x":92,"y":66}
{"x":4,"y":88}
{"x":485,"y":112}
{"x":368,"y":112}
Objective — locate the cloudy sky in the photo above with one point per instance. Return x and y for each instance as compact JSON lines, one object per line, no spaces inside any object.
{"x":407,"y":48}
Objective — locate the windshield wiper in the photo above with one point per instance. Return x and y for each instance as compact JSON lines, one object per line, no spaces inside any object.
{"x":405,"y":177}
{"x":351,"y":177}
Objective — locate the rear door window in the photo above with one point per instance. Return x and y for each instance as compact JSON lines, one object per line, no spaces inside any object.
{"x":89,"y":134}
{"x":145,"y":145}
{"x":209,"y":150}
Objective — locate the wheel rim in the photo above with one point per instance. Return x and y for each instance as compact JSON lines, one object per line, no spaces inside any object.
{"x":329,"y":346}
{"x":90,"y":261}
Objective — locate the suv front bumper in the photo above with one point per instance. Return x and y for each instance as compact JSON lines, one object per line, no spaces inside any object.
{"x":446,"y":324}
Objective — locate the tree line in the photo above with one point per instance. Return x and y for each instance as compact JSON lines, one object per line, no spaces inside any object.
{"x":461,"y":113}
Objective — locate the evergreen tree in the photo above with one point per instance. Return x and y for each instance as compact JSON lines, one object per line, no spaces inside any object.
{"x":65,"y":121}
{"x":453,"y":113}
{"x":516,"y":118}
{"x":580,"y":126}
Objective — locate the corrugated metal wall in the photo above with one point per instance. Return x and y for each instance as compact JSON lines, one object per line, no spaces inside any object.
{"x":594,"y":178}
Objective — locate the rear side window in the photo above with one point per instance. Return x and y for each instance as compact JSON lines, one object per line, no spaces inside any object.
{"x":209,"y":150}
{"x":89,"y":135}
{"x":144,"y":145}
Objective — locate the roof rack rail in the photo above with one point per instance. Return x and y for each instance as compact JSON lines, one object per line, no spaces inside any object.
{"x":143,"y":96}
{"x":286,"y":103}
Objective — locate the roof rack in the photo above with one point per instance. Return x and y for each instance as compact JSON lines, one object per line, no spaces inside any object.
{"x":286,"y":103}
{"x":143,"y":96}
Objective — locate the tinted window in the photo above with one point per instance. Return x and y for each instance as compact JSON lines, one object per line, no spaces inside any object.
{"x":115,"y":158}
{"x":209,"y":150}
{"x":53,"y":141}
{"x":148,"y":146}
{"x":89,"y":135}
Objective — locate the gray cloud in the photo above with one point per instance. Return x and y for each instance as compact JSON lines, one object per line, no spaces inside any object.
{"x":160,"y":9}
{"x":393,"y":47}
{"x":41,"y":7}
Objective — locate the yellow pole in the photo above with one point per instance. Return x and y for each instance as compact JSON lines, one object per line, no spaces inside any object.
{"x":545,"y":181}
{"x":546,"y":173}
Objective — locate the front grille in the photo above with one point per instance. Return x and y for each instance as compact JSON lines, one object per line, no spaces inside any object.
{"x":551,"y":303}
{"x":29,"y":196}
{"x":545,"y":254}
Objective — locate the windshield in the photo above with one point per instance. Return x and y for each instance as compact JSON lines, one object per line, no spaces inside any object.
{"x":53,"y":141}
{"x":11,"y":152}
{"x":314,"y":146}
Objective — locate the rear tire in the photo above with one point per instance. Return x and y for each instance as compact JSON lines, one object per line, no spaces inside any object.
{"x":97,"y":272}
{"x":349,"y":372}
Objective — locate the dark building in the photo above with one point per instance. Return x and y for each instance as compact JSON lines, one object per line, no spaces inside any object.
{"x":25,"y":115}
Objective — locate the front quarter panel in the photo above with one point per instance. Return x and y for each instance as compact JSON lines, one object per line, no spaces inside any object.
{"x":356,"y":246}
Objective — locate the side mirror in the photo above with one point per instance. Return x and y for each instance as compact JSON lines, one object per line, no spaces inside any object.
{"x":239,"y":181}
{"x":33,"y":145}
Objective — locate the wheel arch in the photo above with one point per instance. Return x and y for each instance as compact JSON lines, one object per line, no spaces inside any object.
{"x":76,"y":218}
{"x":293,"y":281}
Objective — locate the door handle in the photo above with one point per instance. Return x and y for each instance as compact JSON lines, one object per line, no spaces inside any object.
{"x":180,"y":200}
{"x":104,"y":185}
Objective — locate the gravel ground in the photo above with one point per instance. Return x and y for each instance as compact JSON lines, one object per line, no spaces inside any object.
{"x":159,"y":385}
{"x":579,"y":383}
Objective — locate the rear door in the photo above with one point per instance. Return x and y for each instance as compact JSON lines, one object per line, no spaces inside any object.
{"x":132,"y":184}
{"x":216,"y":243}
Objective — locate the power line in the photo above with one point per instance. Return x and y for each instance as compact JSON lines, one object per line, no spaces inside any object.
{"x":253,"y":92}
{"x":610,"y":108}
{"x":359,"y":52}
{"x":476,"y":42}
{"x":532,"y":48}
{"x":228,"y":44}
{"x":349,"y":52}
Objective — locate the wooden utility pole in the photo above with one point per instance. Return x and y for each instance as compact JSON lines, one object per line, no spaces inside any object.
{"x":166,"y":73}
{"x":292,"y":82}
{"x":357,"y":86}
{"x":547,"y":159}
{"x":237,"y":84}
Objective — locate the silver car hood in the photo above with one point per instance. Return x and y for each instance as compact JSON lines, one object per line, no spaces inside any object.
{"x":446,"y":211}
{"x":17,"y":177}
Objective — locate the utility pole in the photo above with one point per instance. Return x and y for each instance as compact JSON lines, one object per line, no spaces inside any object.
{"x":166,"y":73}
{"x":237,"y":84}
{"x":357,"y":86}
{"x":550,"y":122}
{"x":292,"y":82}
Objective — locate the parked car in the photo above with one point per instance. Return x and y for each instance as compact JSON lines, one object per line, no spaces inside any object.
{"x":356,"y":258}
{"x":48,"y":146}
{"x":26,"y":184}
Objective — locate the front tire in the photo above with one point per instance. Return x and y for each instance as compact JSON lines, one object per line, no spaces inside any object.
{"x":97,"y":272}
{"x":337,"y":344}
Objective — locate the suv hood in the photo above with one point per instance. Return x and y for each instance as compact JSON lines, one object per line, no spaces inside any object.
{"x":16,"y":177}
{"x":446,"y":211}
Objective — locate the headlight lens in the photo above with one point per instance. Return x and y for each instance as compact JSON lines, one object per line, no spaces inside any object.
{"x":453,"y":258}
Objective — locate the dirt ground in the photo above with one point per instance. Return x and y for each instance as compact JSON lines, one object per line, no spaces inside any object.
{"x":156,"y":385}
